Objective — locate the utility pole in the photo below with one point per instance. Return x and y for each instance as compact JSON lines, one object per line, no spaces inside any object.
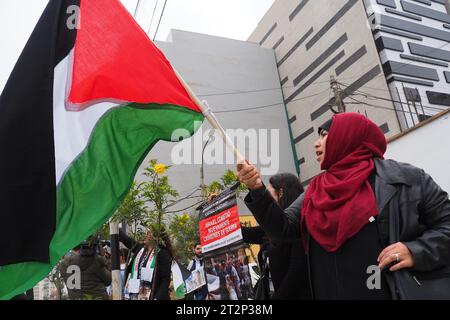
{"x":115,"y":261}
{"x":337,"y":94}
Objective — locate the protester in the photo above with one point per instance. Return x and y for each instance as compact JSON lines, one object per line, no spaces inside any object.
{"x":287,"y":260}
{"x":231,"y":288}
{"x":195,"y":264}
{"x":233,"y":280}
{"x":347,"y":210}
{"x":123,"y":257}
{"x":226,"y":286}
{"x":244,"y":275}
{"x":145,"y":265}
{"x":95,"y":274}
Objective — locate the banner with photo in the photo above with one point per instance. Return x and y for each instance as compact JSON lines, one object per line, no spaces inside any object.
{"x":226,"y":263}
{"x":228,"y":274}
{"x":196,"y":280}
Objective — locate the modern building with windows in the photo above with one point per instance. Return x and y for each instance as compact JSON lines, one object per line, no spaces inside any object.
{"x":413,"y":38}
{"x":389,"y":58}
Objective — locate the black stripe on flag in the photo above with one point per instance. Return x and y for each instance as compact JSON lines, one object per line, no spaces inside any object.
{"x":27,"y":164}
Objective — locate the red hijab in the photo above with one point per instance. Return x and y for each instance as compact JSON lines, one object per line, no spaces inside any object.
{"x":340,"y":201}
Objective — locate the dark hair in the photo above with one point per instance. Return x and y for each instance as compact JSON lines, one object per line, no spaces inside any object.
{"x":168,"y":243}
{"x":292,"y":188}
{"x":124,"y":253}
{"x":326,"y":126}
{"x":164,"y":236}
{"x":196,"y":243}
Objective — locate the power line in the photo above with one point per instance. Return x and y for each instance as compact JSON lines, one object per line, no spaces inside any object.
{"x":153,"y":15}
{"x":160,"y":18}
{"x":368,"y":96}
{"x":379,"y":107}
{"x":251,"y":91}
{"x":384,"y":90}
{"x":138,"y":4}
{"x":261,"y":90}
{"x":382,"y":107}
{"x":268,"y":105}
{"x":401,"y":102}
{"x":237,"y":92}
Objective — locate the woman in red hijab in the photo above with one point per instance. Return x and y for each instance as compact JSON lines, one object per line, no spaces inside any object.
{"x":344,"y":216}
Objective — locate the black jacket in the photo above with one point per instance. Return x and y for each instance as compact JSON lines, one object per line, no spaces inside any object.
{"x":287,"y":262}
{"x":423,"y":208}
{"x":163,"y":266}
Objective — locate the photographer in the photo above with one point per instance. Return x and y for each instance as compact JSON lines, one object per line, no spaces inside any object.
{"x":94,"y":272}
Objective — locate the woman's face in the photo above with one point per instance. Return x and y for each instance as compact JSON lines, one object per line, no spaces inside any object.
{"x":273,"y":192}
{"x":148,"y":239}
{"x":320,"y":146}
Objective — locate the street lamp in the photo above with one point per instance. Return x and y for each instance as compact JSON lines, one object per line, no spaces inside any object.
{"x":202,"y":171}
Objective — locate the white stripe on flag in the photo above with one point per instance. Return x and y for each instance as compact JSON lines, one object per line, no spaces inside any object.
{"x":72,"y":130}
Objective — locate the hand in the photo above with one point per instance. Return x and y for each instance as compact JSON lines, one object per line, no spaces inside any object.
{"x":249,"y":175}
{"x":211,"y":196}
{"x":390,"y":254}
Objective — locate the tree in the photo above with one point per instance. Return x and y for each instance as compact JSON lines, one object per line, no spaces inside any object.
{"x":133,"y":211}
{"x":184,"y":229}
{"x":159,"y":193}
{"x":57,"y":280}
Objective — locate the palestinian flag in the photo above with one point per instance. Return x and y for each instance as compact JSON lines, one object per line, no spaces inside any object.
{"x":80,"y":111}
{"x":179,"y":275}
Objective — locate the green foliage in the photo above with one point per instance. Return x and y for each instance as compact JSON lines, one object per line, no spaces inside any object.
{"x":144,"y":206}
{"x":157,"y":189}
{"x":56,"y":278}
{"x":103,"y":231}
{"x":226,"y":181}
{"x":185,"y":232}
{"x":215,"y":187}
{"x":133,"y":211}
{"x":159,"y":193}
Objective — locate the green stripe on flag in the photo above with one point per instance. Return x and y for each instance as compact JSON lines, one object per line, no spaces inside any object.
{"x":98,"y":180}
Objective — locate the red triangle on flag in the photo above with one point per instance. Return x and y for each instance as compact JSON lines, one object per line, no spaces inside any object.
{"x":114,"y":60}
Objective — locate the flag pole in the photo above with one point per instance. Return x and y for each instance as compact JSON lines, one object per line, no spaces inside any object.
{"x":210,"y":116}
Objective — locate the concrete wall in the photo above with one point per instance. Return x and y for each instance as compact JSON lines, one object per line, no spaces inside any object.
{"x":426,"y":148}
{"x":302,"y":34}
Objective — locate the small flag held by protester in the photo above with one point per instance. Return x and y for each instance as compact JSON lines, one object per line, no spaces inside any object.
{"x":179,"y":275}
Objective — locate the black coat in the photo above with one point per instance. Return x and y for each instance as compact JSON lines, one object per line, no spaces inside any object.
{"x":287,"y":262}
{"x":423,"y":209}
{"x":163,"y":266}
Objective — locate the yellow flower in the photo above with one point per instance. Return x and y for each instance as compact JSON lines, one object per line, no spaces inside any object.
{"x":159,"y":168}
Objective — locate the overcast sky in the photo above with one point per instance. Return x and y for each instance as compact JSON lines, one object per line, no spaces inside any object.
{"x":227,"y":18}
